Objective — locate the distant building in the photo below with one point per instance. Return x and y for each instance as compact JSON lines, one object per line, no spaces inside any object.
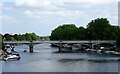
{"x":45,"y":38}
{"x":11,"y":34}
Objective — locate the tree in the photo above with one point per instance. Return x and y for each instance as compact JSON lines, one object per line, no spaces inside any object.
{"x":111,"y":33}
{"x":38,"y":38}
{"x":64,"y":32}
{"x":96,"y":28}
{"x":33,"y":36}
{"x":12,"y":39}
{"x":7,"y":37}
{"x":28,"y":37}
{"x":21,"y":37}
{"x":81,"y":33}
{"x":118,"y":41}
{"x":16,"y":37}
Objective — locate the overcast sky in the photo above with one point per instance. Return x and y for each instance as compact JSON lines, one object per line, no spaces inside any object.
{"x":42,"y":16}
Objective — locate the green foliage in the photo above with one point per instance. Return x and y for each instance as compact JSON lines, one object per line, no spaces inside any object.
{"x":12,"y":39}
{"x":23,"y":37}
{"x":81,"y":33}
{"x":33,"y":36}
{"x":28,"y":37}
{"x":16,"y":37}
{"x":7,"y":37}
{"x":118,"y":41}
{"x":65,"y":32}
{"x":98,"y":29}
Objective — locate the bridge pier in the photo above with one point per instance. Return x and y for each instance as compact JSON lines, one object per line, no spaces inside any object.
{"x":31,"y":48}
{"x":60,"y":47}
{"x":31,"y":45}
{"x":70,"y":49}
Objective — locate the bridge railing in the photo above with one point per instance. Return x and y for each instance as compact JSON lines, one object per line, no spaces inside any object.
{"x":81,"y":41}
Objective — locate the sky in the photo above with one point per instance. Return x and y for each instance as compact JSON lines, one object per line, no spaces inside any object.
{"x":43,"y":16}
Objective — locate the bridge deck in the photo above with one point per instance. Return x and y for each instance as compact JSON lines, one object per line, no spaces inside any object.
{"x":39,"y":42}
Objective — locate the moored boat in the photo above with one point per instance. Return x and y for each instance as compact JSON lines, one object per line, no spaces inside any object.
{"x":116,"y":53}
{"x":11,"y":56}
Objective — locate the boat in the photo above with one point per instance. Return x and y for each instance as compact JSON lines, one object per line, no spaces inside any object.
{"x":93,"y":50}
{"x":87,"y":49}
{"x":109,"y":52}
{"x":11,"y":56}
{"x":116,"y":53}
{"x":76,"y":47}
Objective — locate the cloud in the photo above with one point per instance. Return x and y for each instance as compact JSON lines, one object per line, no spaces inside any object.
{"x":5,"y":17}
{"x":34,"y":1}
{"x":63,"y":0}
{"x":35,"y":4}
{"x":59,"y":16}
{"x":37,"y":12}
{"x":42,"y":16}
{"x":28,"y":12}
{"x":7,"y":20}
{"x":59,"y":4}
{"x":70,"y":11}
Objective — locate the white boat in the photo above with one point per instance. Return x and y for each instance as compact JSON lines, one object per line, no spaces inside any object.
{"x":93,"y":50}
{"x":116,"y":53}
{"x":75,"y":47}
{"x":88,"y":49}
{"x":99,"y":51}
{"x":11,"y":56}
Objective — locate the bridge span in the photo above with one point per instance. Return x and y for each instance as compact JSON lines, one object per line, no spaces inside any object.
{"x":31,"y":44}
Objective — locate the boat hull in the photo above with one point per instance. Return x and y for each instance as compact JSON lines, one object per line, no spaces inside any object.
{"x":11,"y":57}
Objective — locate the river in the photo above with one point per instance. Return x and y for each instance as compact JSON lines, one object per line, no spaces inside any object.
{"x":44,"y":59}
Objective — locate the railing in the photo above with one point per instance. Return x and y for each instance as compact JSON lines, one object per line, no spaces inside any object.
{"x":86,"y":41}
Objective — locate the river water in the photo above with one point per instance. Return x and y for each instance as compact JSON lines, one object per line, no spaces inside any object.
{"x":44,"y":59}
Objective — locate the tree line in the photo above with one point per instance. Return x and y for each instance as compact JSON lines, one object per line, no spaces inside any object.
{"x":18,"y":37}
{"x":98,"y":29}
{"x":21,"y":37}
